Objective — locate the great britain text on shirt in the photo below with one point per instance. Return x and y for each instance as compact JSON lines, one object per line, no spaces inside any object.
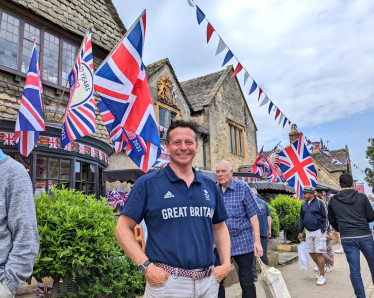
{"x":177,"y":212}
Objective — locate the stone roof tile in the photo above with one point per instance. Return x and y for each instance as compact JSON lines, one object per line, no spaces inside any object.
{"x":340,"y":154}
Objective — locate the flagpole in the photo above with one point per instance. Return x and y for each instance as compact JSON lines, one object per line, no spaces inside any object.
{"x":67,"y":80}
{"x":115,"y":47}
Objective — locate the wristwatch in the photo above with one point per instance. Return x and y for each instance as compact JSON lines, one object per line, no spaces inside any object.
{"x":143,"y":267}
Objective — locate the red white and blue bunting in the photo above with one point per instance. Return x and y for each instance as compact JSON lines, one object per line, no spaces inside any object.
{"x":8,"y":139}
{"x":200,"y":15}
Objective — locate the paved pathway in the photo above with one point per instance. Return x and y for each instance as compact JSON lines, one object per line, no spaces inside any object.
{"x":302,"y":283}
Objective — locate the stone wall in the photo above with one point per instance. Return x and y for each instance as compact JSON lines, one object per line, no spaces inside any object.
{"x":228,"y":105}
{"x":77,"y":15}
{"x":325,"y":177}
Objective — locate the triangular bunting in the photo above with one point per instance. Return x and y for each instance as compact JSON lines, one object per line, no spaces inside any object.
{"x":285,"y":121}
{"x":270,"y":106}
{"x":228,"y":56}
{"x":246,"y":76}
{"x":238,"y":68}
{"x":277,"y":113}
{"x":259,"y":94}
{"x":289,"y":122}
{"x":221,"y":46}
{"x":200,"y":15}
{"x":280,"y":118}
{"x":253,"y":88}
{"x":264,"y":102}
{"x":209,"y":32}
{"x":190,"y":3}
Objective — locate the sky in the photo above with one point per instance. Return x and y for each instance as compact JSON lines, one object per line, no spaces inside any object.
{"x":314,"y":60}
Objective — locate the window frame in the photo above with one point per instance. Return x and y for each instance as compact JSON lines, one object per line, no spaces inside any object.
{"x":236,"y":138}
{"x":44,"y":26}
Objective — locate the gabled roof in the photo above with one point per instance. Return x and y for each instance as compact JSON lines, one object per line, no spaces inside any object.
{"x":201,"y":90}
{"x":324,"y":161}
{"x":155,"y":67}
{"x":76,"y":15}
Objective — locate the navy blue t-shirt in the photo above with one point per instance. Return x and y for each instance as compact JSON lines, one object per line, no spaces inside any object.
{"x":263,"y":216}
{"x":179,"y":219}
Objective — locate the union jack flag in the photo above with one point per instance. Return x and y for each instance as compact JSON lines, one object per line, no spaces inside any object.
{"x":30,"y":120}
{"x":100,"y":155}
{"x":67,"y":147}
{"x":40,"y":290}
{"x":93,"y":152}
{"x":297,"y":166}
{"x":117,"y":197}
{"x":9,"y":139}
{"x":52,"y":143}
{"x":79,"y":118}
{"x":164,"y":158}
{"x":258,"y":167}
{"x":81,"y":149}
{"x":122,"y":85}
{"x":116,"y":133}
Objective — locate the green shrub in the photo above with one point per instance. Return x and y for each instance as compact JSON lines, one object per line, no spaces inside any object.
{"x":120,"y":278}
{"x":274,"y":222}
{"x":288,"y":211}
{"x":77,"y":238}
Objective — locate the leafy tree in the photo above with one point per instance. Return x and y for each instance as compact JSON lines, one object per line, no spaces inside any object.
{"x":370,"y":156}
{"x":288,"y":211}
{"x":76,"y":236}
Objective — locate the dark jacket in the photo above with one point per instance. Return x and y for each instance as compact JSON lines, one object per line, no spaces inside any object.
{"x":313,"y":216}
{"x":350,"y":213}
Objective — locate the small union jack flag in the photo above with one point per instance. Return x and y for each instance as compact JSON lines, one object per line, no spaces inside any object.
{"x":93,"y":152}
{"x":81,"y":149}
{"x":100,"y":155}
{"x":40,"y":290}
{"x":9,"y":139}
{"x":258,"y":167}
{"x":52,"y":143}
{"x":117,"y":197}
{"x":68,"y":147}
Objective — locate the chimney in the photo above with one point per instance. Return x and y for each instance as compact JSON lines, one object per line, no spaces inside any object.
{"x":294,"y":134}
{"x":316,"y":149}
{"x":323,"y":147}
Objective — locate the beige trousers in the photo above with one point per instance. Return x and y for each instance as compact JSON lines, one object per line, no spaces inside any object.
{"x":4,"y":291}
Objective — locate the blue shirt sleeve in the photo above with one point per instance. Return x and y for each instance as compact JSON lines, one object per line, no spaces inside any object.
{"x":249,"y":202}
{"x":136,"y":202}
{"x":220,"y":213}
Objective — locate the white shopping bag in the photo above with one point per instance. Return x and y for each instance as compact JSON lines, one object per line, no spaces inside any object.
{"x":304,"y":257}
{"x":272,"y":282}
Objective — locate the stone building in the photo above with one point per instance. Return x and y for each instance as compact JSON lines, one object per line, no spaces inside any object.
{"x":215,"y":101}
{"x":58,"y":27}
{"x":219,"y":106}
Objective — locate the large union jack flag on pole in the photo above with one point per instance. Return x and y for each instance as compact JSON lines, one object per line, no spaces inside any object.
{"x":297,"y":166}
{"x":122,"y":85}
{"x":258,"y":166}
{"x":79,"y":120}
{"x":30,"y":121}
{"x":116,"y":133}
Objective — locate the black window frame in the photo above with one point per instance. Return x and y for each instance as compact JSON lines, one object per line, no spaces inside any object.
{"x":42,"y":29}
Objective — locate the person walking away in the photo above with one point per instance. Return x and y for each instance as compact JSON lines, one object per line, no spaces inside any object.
{"x":185,"y":214}
{"x":19,"y":238}
{"x":313,"y":217}
{"x":242,"y":224}
{"x":264,"y":220}
{"x":350,"y":212}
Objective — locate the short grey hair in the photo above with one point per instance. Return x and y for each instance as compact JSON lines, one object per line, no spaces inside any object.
{"x":254,"y":190}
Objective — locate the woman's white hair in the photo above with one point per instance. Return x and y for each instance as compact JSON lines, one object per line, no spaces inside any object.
{"x":254,"y":190}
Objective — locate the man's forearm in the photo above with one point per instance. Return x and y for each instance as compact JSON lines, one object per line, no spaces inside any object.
{"x":256,"y":227}
{"x":269,"y":225}
{"x":222,"y":241}
{"x":126,"y":238}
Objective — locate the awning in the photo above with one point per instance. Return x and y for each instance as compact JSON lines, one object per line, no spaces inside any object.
{"x":129,"y":176}
{"x":272,"y":187}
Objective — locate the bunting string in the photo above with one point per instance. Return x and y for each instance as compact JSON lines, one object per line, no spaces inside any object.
{"x":200,"y":15}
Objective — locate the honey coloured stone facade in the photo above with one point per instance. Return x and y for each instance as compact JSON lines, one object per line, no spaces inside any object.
{"x":219,"y":106}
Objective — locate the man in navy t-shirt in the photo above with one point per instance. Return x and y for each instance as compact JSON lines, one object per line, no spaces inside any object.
{"x":264,"y":220}
{"x":185,"y":215}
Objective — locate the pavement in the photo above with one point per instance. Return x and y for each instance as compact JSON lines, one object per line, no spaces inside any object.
{"x":302,"y":283}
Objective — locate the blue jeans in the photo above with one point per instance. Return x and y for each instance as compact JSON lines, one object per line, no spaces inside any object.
{"x":352,"y":248}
